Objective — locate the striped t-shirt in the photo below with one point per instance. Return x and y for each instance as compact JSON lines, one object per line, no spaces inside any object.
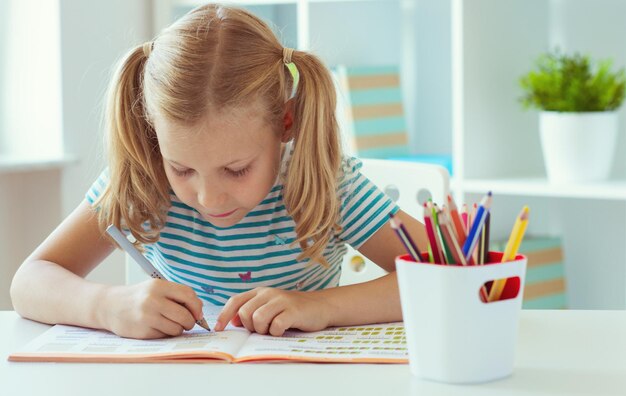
{"x":221,"y":262}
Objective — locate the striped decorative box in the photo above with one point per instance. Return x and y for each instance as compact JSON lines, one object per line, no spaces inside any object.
{"x":374,"y":110}
{"x":371,"y":115}
{"x":545,"y":275}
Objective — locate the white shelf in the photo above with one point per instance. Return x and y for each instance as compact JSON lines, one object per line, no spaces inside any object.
{"x":274,"y":2}
{"x":541,"y":187}
{"x":194,"y":3}
{"x":14,"y":163}
{"x":489,"y":136}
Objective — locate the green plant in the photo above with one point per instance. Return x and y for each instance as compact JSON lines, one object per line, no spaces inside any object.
{"x":567,"y":83}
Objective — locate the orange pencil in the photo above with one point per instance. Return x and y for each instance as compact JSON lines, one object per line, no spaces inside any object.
{"x":465,"y":218}
{"x":446,"y":211}
{"x":461,"y":234}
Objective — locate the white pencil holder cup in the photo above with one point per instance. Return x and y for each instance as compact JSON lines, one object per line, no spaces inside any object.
{"x":453,"y":336}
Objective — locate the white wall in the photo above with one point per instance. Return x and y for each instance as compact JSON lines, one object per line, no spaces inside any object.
{"x":30,"y":79}
{"x":27,"y":216}
{"x":94,"y":34}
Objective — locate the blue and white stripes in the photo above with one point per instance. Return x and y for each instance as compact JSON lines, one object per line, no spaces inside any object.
{"x":259,"y":251}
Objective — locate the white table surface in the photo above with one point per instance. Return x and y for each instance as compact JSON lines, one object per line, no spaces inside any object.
{"x":558,"y":353}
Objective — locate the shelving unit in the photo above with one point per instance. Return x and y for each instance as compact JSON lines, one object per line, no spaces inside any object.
{"x":460,"y":64}
{"x":355,"y":33}
{"x":496,"y":144}
{"x":540,"y":187}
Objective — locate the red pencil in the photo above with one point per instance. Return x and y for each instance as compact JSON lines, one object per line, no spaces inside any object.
{"x":465,"y":219}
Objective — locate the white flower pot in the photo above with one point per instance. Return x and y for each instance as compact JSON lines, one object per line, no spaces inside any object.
{"x":578,"y":147}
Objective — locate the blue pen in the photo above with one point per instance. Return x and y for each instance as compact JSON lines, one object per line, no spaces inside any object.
{"x":477,"y":225}
{"x":143,"y":262}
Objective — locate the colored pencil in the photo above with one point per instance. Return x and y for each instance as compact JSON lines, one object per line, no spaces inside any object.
{"x":477,"y":224}
{"x":472,"y":217}
{"x":446,"y":230}
{"x":484,"y":294}
{"x":407,"y":241}
{"x":445,"y":247}
{"x":461,"y":233}
{"x":440,"y":245}
{"x":483,"y":245}
{"x":445,"y":210}
{"x":432,"y":239}
{"x":512,"y":246}
{"x":465,"y":219}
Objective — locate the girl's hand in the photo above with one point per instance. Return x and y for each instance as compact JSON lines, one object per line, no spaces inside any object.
{"x":151,"y":309}
{"x":267,"y":310}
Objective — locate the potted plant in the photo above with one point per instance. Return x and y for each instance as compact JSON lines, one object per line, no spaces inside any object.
{"x":578,"y":119}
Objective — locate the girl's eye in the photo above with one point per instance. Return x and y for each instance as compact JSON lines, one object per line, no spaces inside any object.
{"x":182,"y":173}
{"x":238,"y":173}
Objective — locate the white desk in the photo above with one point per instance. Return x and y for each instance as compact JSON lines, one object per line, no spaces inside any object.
{"x":558,"y":353}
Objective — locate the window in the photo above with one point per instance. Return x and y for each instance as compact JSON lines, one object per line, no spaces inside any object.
{"x":30,"y":77}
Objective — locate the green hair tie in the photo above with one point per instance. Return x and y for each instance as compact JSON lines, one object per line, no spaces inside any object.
{"x":295,"y":76}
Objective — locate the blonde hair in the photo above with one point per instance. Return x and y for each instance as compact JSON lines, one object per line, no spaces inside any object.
{"x":219,"y":57}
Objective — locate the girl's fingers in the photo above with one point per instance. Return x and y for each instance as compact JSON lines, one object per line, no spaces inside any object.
{"x":150,"y":335}
{"x":247,"y":311}
{"x":280,"y":324}
{"x":231,"y":308}
{"x":236,"y":321}
{"x":168,"y":327}
{"x":186,"y":296}
{"x":178,"y":314}
{"x":264,"y":315}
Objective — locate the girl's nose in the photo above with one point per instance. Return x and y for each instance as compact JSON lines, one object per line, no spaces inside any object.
{"x":212,"y":197}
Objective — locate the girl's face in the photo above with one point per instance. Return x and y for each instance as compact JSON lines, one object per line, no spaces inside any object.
{"x":224,"y":166}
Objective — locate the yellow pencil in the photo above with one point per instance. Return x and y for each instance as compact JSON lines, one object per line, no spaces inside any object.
{"x":515,"y":240}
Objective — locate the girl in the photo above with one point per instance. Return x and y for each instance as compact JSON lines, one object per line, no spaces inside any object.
{"x":228,"y":172}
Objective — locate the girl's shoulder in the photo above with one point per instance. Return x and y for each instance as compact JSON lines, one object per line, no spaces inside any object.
{"x":98,"y":186}
{"x":350,"y":165}
{"x":350,"y":169}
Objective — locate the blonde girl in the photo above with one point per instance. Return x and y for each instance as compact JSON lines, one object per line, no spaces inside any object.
{"x":229,"y":174}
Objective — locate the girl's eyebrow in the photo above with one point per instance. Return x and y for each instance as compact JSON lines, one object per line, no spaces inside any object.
{"x":175,"y":163}
{"x":224,"y":166}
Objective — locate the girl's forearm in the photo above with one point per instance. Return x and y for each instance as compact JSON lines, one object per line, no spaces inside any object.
{"x":48,"y":293}
{"x":377,"y":301}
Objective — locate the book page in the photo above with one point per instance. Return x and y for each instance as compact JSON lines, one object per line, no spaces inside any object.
{"x":380,"y":343}
{"x":70,"y":343}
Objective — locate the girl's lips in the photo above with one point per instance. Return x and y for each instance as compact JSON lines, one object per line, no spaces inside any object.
{"x":223,"y":214}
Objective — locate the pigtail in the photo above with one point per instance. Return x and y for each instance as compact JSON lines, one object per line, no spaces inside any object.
{"x":311,"y":185}
{"x":138,"y":189}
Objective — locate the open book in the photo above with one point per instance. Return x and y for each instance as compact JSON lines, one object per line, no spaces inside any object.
{"x":381,"y":343}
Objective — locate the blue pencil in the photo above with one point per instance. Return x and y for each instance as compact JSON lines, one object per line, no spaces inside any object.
{"x":477,"y":225}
